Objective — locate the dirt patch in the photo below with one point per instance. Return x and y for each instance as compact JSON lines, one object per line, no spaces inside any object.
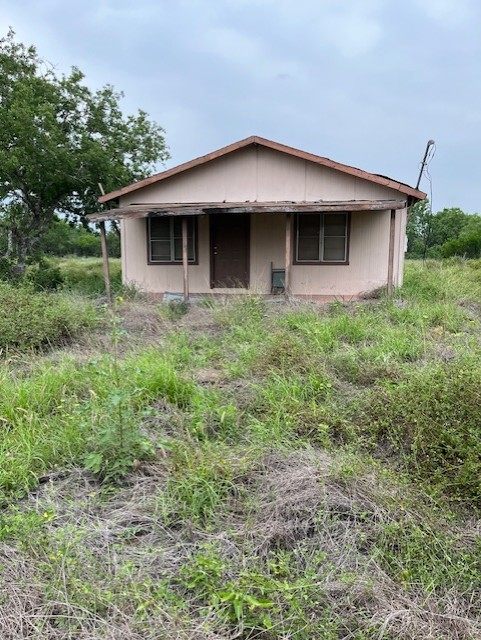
{"x":142,"y":319}
{"x":199,"y":320}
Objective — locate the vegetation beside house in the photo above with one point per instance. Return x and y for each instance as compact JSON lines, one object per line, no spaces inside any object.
{"x":443,"y":234}
{"x":248,"y":469}
{"x":58,"y":141}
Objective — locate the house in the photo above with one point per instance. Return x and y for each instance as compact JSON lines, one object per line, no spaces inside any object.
{"x":262,"y":217}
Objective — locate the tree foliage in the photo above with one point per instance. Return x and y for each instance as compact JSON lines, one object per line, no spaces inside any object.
{"x":68,"y":239}
{"x":419,"y":228}
{"x":58,"y":140}
{"x":445,"y":233}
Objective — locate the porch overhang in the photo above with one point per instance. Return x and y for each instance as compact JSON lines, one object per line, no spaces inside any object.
{"x":135,"y":211}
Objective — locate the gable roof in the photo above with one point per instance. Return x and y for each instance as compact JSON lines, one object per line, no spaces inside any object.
{"x":277,"y":146}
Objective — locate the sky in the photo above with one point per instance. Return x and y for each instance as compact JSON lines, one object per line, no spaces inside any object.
{"x":363,"y":82}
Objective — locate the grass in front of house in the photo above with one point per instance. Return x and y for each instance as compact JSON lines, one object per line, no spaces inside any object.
{"x":309,"y":473}
{"x":30,"y":320}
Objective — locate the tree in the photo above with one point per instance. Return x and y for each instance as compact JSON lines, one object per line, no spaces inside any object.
{"x":419,"y":228}
{"x":467,"y":245}
{"x":67,"y":238}
{"x":447,"y":225}
{"x":466,"y":241}
{"x":428,"y":233}
{"x":472,"y":225}
{"x":58,"y":140}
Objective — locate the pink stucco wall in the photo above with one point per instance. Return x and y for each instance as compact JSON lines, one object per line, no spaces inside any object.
{"x":259,"y":174}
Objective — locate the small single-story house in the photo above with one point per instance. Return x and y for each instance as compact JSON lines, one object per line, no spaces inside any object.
{"x":262,"y":217}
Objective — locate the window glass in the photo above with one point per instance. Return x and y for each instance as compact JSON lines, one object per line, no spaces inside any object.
{"x":309,"y":224}
{"x":178,"y":249}
{"x":321,"y":237}
{"x":159,"y":228}
{"x":335,"y":232}
{"x":165,"y":239}
{"x":334,"y":249}
{"x":160,"y":250}
{"x":335,"y":224}
{"x":308,"y":249}
{"x":308,"y":237}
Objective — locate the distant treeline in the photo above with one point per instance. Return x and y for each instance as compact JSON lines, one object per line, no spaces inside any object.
{"x":65,"y":238}
{"x":450,"y":232}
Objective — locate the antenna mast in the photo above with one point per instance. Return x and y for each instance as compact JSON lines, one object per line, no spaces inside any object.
{"x":423,"y":163}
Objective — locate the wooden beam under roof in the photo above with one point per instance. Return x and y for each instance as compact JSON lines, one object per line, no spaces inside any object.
{"x":205,"y":208}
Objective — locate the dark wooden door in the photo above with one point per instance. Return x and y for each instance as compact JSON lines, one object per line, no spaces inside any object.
{"x":230,"y":250}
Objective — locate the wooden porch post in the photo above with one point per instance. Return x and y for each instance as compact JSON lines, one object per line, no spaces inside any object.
{"x":287,"y":275}
{"x":390,"y":265}
{"x":105,"y":259}
{"x":185,"y":259}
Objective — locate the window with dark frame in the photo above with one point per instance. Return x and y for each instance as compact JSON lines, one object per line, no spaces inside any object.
{"x":321,"y":238}
{"x":164,"y":240}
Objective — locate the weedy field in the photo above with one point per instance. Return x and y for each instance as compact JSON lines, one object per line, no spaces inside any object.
{"x":241,"y":469}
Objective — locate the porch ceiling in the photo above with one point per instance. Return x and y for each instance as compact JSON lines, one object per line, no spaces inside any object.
{"x":206,"y":208}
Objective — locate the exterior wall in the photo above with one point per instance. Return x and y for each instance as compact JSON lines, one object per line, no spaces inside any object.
{"x":368,"y":260}
{"x":162,"y":278}
{"x":257,"y":174}
{"x":261,"y":174}
{"x":366,"y":271}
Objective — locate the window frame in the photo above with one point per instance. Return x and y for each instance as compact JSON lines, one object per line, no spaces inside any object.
{"x":321,"y":261}
{"x":172,"y":236}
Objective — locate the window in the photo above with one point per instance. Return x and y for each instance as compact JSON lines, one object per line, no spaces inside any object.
{"x":321,"y":238}
{"x":164,"y":238}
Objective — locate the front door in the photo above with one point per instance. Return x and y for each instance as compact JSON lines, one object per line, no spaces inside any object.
{"x":230,"y":250}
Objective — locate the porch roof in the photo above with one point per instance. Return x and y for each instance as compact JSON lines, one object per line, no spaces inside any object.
{"x":206,"y":208}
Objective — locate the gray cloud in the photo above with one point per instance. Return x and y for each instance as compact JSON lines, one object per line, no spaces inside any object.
{"x":363,"y":83}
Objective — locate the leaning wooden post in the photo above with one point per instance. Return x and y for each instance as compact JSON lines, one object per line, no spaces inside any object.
{"x":105,"y":258}
{"x":185,"y":259}
{"x":287,"y":274}
{"x":390,"y":265}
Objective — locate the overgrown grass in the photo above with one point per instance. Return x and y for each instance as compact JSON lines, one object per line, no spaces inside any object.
{"x":85,"y":275}
{"x":454,"y":280}
{"x":49,"y":417}
{"x":310,"y":475}
{"x":30,"y":320}
{"x":430,"y":424}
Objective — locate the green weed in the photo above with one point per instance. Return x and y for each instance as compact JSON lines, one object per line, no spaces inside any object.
{"x":201,"y":484}
{"x":420,"y":556}
{"x":31,"y":320}
{"x":292,"y":406}
{"x":430,"y":421}
{"x":220,"y":545}
{"x":85,"y":275}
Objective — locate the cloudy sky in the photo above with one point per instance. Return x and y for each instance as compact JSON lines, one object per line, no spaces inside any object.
{"x":364,"y":82}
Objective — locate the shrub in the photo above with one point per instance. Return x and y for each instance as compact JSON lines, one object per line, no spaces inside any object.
{"x":469,"y":246}
{"x":31,"y":320}
{"x":45,"y":276}
{"x":66,"y":238}
{"x":6,"y":266}
{"x":431,"y":421}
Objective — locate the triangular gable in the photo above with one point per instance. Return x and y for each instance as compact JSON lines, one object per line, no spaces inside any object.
{"x":263,"y":142}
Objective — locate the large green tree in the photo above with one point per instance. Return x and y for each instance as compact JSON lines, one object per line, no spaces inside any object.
{"x":58,"y":140}
{"x":445,"y":233}
{"x":447,"y":225}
